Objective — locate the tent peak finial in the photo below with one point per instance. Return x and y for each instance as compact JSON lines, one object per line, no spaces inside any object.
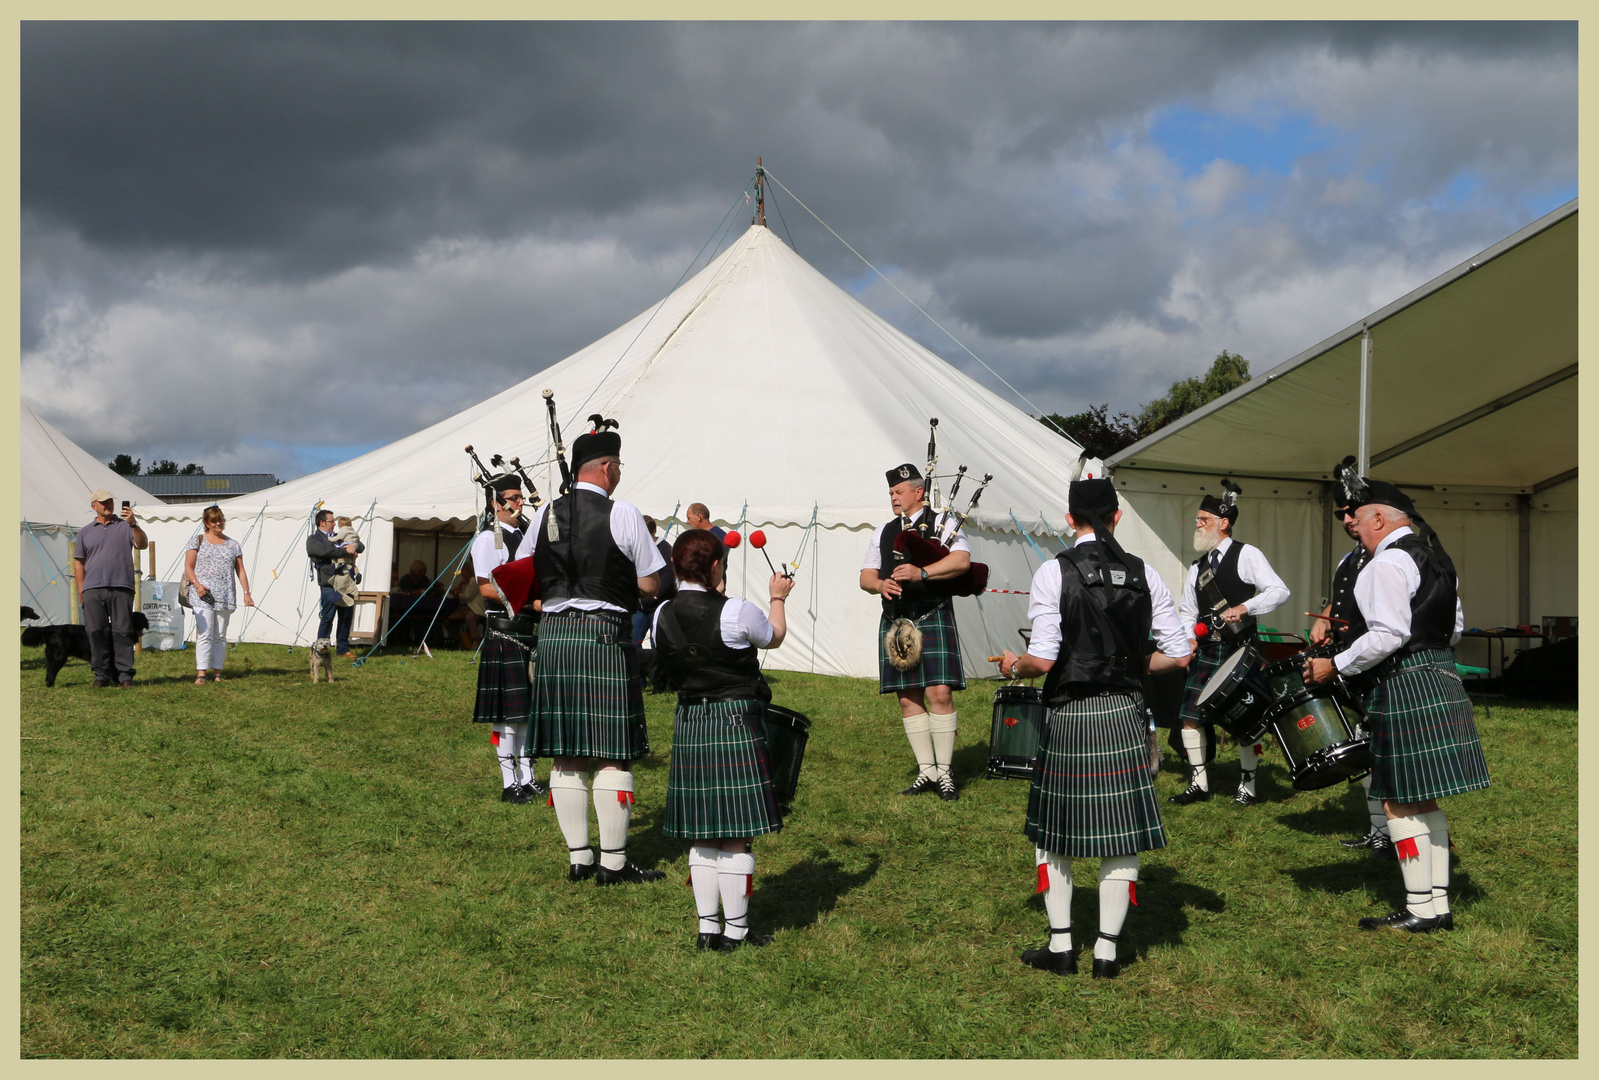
{"x":760,"y":194}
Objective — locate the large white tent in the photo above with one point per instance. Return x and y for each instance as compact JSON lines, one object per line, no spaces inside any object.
{"x":1463,"y":392}
{"x":759,"y":388}
{"x":58,"y":476}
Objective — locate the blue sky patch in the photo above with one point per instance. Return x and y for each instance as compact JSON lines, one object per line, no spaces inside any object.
{"x":1193,"y":139}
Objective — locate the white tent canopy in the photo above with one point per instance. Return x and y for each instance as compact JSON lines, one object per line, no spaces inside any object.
{"x":761,"y":389}
{"x":1471,"y":405}
{"x":58,"y":476}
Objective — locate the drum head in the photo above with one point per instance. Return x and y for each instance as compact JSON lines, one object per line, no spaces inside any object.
{"x":1223,"y":675}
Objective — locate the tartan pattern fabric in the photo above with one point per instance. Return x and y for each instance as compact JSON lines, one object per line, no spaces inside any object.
{"x":588,"y":700}
{"x":1424,"y":741}
{"x":941,"y":652}
{"x":720,"y":784}
{"x":1204,"y":664}
{"x":1092,"y":794}
{"x":504,"y":694}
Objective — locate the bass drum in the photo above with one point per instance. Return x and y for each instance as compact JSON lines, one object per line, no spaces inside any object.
{"x":1237,"y":698}
{"x":1317,"y":735}
{"x":1017,"y":737}
{"x":787,"y":732}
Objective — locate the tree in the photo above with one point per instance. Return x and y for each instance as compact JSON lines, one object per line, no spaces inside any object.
{"x":1227,"y":372}
{"x":1096,"y":431}
{"x":123,"y":465}
{"x":191,"y":469}
{"x":164,"y":467}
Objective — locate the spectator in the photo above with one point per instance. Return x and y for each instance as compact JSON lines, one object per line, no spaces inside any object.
{"x":322,"y":551}
{"x":103,"y":567}
{"x":417,"y":581}
{"x":209,"y":566}
{"x":346,"y":578}
{"x":472,"y":605}
{"x":700,"y":518}
{"x":648,"y":604}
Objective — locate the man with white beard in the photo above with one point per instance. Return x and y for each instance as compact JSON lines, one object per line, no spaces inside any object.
{"x":1226,"y":588}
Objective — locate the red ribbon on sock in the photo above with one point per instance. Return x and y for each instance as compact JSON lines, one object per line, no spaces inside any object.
{"x":1259,"y":749}
{"x":1406,"y":848}
{"x":688,"y":882}
{"x":494,"y":737}
{"x":1043,"y":877}
{"x":625,"y":797}
{"x":551,"y":797}
{"x":1132,"y":893}
{"x":749,"y":884}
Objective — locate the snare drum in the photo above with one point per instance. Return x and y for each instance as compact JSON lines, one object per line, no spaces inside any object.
{"x":1316,"y":732}
{"x":1017,"y":737}
{"x":1237,"y":698}
{"x":787,"y":732}
{"x":1286,"y":678}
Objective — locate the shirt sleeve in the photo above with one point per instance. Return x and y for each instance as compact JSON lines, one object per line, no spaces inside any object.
{"x":530,"y":538}
{"x":633,"y":537}
{"x":958,"y":542}
{"x":748,"y":625}
{"x":1171,"y":636}
{"x":484,"y":558}
{"x":1382,"y":592}
{"x":1270,"y":592}
{"x":1188,"y":610}
{"x":874,"y":551}
{"x":1043,"y":611}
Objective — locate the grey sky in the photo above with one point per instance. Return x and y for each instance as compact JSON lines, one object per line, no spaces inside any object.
{"x":333,"y":234}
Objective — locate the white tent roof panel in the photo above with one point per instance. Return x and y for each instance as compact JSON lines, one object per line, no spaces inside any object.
{"x":58,"y":476}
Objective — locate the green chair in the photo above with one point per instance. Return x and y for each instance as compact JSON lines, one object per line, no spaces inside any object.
{"x":1477,"y":675}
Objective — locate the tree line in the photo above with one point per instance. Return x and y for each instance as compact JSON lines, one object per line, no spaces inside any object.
{"x":127,"y":465}
{"x":1102,"y":435}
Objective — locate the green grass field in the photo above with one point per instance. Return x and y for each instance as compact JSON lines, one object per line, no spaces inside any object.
{"x":268,"y":868}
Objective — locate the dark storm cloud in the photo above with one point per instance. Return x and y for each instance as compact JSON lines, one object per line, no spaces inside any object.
{"x":457,"y":205}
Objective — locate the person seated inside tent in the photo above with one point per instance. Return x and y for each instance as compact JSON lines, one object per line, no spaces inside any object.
{"x":417,"y":581}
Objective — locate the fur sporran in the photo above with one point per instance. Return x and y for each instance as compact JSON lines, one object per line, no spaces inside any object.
{"x":903,"y":644}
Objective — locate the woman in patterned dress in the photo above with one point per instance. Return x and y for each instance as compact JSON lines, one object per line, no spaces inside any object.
{"x":209,"y":567}
{"x":719,"y":792}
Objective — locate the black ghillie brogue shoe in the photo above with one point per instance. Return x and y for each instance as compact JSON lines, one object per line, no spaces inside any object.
{"x":708,"y":942}
{"x":922,"y":785}
{"x":577,"y":872}
{"x":1106,"y":969}
{"x":946,"y":789}
{"x":1191,"y":794}
{"x":628,"y":874}
{"x":754,"y":941}
{"x":1402,"y":919}
{"x":1057,"y":963}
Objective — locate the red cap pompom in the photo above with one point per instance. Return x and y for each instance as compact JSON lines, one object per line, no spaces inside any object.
{"x":1201,"y":629}
{"x":757,"y":539}
{"x":732,"y":539}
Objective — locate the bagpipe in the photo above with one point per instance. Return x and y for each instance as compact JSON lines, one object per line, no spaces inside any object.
{"x":911,"y":546}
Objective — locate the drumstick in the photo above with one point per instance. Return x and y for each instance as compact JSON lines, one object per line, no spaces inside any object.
{"x":1329,"y":618}
{"x":995,"y":659}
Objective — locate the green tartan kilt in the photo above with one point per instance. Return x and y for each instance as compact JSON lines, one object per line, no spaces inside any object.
{"x":1204,"y":664}
{"x":720,"y":784}
{"x":1424,"y":741}
{"x":1092,"y":795}
{"x":503,"y":691}
{"x":941,"y":651}
{"x":588,"y":700}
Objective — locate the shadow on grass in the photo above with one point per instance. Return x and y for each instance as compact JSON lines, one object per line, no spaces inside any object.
{"x":1346,"y":815}
{"x":1161,"y":917}
{"x":797,"y":897}
{"x":1378,"y":877}
{"x":970,"y":763}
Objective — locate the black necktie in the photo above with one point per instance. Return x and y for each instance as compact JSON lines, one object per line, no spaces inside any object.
{"x":1215,"y":561}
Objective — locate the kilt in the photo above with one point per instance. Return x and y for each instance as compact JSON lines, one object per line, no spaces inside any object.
{"x":1092,"y":795}
{"x":941,"y":652}
{"x":1423,"y":740}
{"x":720,"y":784}
{"x":503,"y":691}
{"x":1204,"y":664}
{"x":588,"y":700}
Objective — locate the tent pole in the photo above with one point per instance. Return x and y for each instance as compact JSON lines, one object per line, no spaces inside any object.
{"x":1364,"y":442}
{"x":1524,"y":560}
{"x":1326,"y":543}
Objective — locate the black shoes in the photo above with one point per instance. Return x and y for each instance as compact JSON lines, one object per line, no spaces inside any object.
{"x":516,"y":795}
{"x":756,"y":941}
{"x":1106,"y":969}
{"x":1364,"y":841}
{"x":577,"y":872}
{"x":1058,"y":963}
{"x":1191,"y":794}
{"x":533,"y":790}
{"x":627,"y":875}
{"x":1244,"y":798}
{"x":1383,"y":848}
{"x":946,"y":789}
{"x":923,"y":784}
{"x":1446,"y":921}
{"x":709,"y":942}
{"x":1404,"y":920}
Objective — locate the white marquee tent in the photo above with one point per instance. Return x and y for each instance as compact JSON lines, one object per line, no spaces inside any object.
{"x":57,"y":478}
{"x":1463,"y":392}
{"x":759,"y":388}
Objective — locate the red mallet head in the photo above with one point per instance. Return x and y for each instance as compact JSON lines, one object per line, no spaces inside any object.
{"x":757,"y":539}
{"x":1201,"y":629}
{"x":732,"y":539}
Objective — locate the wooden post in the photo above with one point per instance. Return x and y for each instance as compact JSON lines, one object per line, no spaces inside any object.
{"x":152,"y":560}
{"x":74,"y":612}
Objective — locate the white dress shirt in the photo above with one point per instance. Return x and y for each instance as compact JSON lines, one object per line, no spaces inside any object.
{"x":1253,"y":569}
{"x":1383,"y":592}
{"x":742,"y":623}
{"x":1043,"y":610}
{"x":486,"y":558}
{"x":874,"y":549}
{"x":627,"y":529}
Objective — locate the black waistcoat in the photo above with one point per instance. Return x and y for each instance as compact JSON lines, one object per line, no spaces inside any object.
{"x":512,"y":538}
{"x":688,"y":642}
{"x":1226,"y":585}
{"x":1343,"y":597}
{"x":924,"y":523}
{"x":1103,"y":626}
{"x":1432,"y":609}
{"x":582,"y":561}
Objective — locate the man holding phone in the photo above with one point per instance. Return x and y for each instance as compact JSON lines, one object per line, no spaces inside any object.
{"x":103,"y":567}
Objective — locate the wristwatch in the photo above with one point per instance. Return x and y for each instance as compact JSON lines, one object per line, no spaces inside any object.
{"x":924,"y":573}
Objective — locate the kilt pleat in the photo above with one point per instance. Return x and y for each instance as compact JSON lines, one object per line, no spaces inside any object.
{"x":504,"y":694}
{"x":588,"y":700}
{"x":1092,"y":795}
{"x":1205,"y":663}
{"x":720,"y":783}
{"x":1423,"y":738}
{"x":941,"y":653}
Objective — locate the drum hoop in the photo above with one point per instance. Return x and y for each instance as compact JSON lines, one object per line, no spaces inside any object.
{"x":788,"y":717}
{"x":1225,"y":675}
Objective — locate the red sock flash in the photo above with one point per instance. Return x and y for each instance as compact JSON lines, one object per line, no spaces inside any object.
{"x":625,"y":797}
{"x":1043,"y":877}
{"x":494,"y":737}
{"x":1132,"y":893}
{"x":749,"y":884}
{"x":1406,"y":848}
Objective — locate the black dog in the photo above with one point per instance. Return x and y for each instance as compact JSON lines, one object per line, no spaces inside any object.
{"x":28,"y":614}
{"x":62,"y":643}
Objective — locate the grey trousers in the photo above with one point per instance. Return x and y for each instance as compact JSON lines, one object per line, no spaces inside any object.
{"x":108,"y":616}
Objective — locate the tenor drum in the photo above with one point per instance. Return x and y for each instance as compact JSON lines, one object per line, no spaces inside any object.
{"x":787,"y":732}
{"x":1017,"y":737}
{"x":1237,"y":698}
{"x":1316,"y":732}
